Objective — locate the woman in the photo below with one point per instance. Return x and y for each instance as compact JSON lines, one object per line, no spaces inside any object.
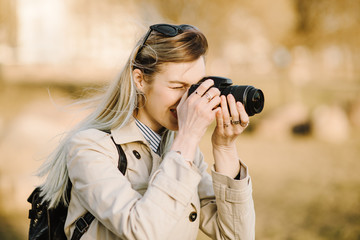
{"x":166,"y":192}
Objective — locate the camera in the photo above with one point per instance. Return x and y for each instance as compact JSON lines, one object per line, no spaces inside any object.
{"x":252,"y":98}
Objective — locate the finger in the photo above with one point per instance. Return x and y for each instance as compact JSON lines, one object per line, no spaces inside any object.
{"x":213,"y":91}
{"x":219,"y":120}
{"x":212,"y":97}
{"x":225,"y":111}
{"x":244,"y":117}
{"x":234,"y":113}
{"x":214,"y":103}
{"x":201,"y":90}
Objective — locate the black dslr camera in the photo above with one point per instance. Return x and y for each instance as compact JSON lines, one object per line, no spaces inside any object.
{"x":252,"y":98}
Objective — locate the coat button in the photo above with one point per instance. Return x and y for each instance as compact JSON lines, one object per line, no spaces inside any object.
{"x":192,"y":216}
{"x":137,"y":154}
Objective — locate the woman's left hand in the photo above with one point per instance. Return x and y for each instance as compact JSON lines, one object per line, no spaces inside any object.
{"x":229,"y":124}
{"x":231,"y":119}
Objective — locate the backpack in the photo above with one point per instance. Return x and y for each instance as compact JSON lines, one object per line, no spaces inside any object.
{"x":48,"y":223}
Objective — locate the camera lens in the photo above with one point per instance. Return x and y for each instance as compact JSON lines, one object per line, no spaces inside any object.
{"x":255,"y":101}
{"x":252,"y":98}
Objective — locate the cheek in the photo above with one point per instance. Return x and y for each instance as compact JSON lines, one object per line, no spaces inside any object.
{"x":175,"y":98}
{"x":157,"y":101}
{"x":167,"y":98}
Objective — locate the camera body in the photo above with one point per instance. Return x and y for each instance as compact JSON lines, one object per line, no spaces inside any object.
{"x":251,"y":97}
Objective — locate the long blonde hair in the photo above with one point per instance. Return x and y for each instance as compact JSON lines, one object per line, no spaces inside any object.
{"x":117,"y":105}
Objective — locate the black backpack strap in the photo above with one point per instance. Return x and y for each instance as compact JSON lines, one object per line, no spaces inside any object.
{"x":82,"y":224}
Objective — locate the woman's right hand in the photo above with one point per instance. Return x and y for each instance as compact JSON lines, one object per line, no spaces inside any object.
{"x":195,"y":113}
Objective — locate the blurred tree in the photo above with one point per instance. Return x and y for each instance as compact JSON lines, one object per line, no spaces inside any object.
{"x":326,"y":21}
{"x":8,"y":23}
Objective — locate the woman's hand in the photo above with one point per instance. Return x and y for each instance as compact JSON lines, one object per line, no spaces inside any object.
{"x":195,"y":114}
{"x":230,"y":124}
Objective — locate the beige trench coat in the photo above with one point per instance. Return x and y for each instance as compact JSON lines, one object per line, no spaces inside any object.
{"x":157,"y":198}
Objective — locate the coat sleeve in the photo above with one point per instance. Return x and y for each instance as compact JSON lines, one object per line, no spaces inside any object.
{"x":108,"y":195}
{"x":227,"y":207}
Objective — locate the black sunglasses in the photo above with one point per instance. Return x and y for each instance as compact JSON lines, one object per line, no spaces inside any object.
{"x":165,"y":29}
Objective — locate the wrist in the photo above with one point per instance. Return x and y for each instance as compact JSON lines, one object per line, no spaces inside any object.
{"x":231,"y":170}
{"x":231,"y":147}
{"x":226,"y":160}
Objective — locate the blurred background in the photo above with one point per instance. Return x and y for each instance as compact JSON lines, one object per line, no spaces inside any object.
{"x":303,"y":150}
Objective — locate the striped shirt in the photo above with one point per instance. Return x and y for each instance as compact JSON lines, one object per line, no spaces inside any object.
{"x":152,"y":137}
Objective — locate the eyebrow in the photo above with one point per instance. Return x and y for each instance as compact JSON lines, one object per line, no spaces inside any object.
{"x":179,"y":82}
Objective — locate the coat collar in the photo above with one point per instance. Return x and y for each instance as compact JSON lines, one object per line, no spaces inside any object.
{"x":128,"y":133}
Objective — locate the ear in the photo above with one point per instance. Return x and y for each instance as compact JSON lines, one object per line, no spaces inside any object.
{"x":139,"y":80}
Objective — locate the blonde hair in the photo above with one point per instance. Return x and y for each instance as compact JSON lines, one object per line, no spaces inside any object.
{"x":117,"y":105}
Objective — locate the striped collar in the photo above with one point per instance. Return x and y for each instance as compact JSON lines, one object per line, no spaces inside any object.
{"x":152,"y":137}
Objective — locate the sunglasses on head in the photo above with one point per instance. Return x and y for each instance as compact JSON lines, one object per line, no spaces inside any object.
{"x":168,"y":30}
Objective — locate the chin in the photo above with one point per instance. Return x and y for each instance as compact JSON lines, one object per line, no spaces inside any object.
{"x":174,"y":129}
{"x":172,"y":126}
